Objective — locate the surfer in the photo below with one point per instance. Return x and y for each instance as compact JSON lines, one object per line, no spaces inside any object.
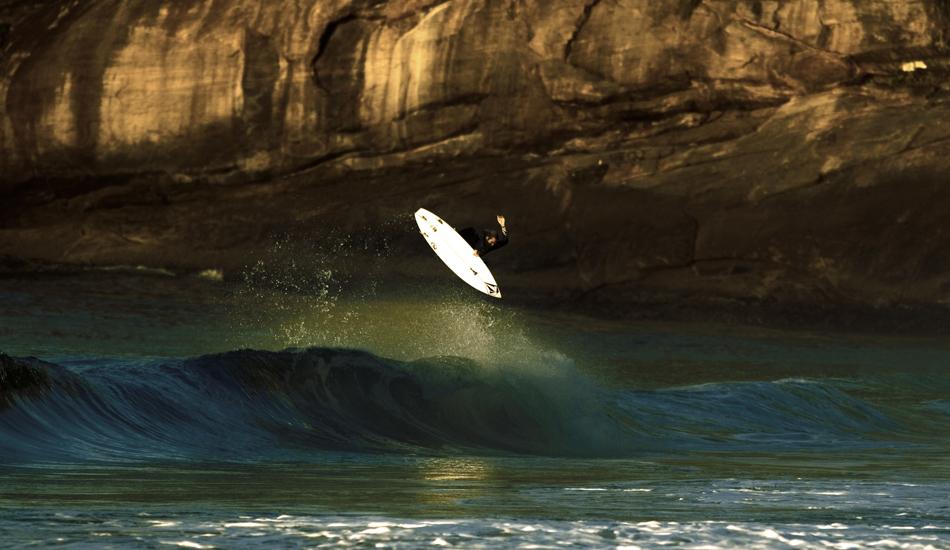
{"x":486,"y":241}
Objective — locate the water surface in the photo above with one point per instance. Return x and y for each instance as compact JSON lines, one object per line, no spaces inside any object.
{"x":140,"y":409}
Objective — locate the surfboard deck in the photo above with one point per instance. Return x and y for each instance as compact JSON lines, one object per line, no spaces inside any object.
{"x":456,"y":253}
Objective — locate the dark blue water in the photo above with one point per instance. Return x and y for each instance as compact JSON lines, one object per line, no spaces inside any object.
{"x":141,"y":409}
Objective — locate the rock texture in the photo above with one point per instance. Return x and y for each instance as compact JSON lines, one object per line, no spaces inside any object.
{"x":723,"y":155}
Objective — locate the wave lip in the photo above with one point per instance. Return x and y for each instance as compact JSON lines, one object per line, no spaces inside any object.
{"x":19,"y":379}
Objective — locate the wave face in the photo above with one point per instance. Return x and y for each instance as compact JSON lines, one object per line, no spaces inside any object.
{"x":247,"y":406}
{"x":250,"y":405}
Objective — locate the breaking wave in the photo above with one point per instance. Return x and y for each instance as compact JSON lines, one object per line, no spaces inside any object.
{"x":249,"y":406}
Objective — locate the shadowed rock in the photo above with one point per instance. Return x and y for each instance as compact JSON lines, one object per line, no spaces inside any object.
{"x":713,"y":154}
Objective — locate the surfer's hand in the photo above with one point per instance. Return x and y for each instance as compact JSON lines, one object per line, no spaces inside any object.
{"x":475,"y":254}
{"x":501,"y":221}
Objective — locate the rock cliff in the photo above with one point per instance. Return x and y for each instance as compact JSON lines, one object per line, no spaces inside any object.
{"x":721,"y":155}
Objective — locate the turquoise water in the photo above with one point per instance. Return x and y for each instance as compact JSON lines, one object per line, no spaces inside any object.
{"x":139,"y":409}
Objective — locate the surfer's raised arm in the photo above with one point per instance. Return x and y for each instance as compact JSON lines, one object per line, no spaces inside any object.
{"x":485,"y":242}
{"x":492,"y":240}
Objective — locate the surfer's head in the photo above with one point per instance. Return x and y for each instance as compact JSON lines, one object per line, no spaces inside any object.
{"x":491,"y":237}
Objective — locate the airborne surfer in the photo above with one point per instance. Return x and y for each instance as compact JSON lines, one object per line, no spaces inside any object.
{"x":486,"y":241}
{"x":455,"y":249}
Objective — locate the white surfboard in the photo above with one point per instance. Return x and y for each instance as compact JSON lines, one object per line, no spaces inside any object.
{"x":456,"y":253}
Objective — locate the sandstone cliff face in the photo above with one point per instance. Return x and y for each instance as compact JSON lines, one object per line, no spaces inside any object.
{"x":752,"y":150}
{"x":210,"y":84}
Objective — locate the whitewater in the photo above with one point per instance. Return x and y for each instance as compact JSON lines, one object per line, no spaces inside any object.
{"x":145,"y":409}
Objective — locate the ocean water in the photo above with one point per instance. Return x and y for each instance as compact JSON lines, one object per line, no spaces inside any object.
{"x":141,"y":409}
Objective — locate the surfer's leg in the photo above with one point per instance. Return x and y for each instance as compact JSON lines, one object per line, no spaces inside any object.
{"x":470,"y":235}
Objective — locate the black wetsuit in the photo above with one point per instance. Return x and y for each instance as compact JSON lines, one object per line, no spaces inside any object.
{"x":476,"y":240}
